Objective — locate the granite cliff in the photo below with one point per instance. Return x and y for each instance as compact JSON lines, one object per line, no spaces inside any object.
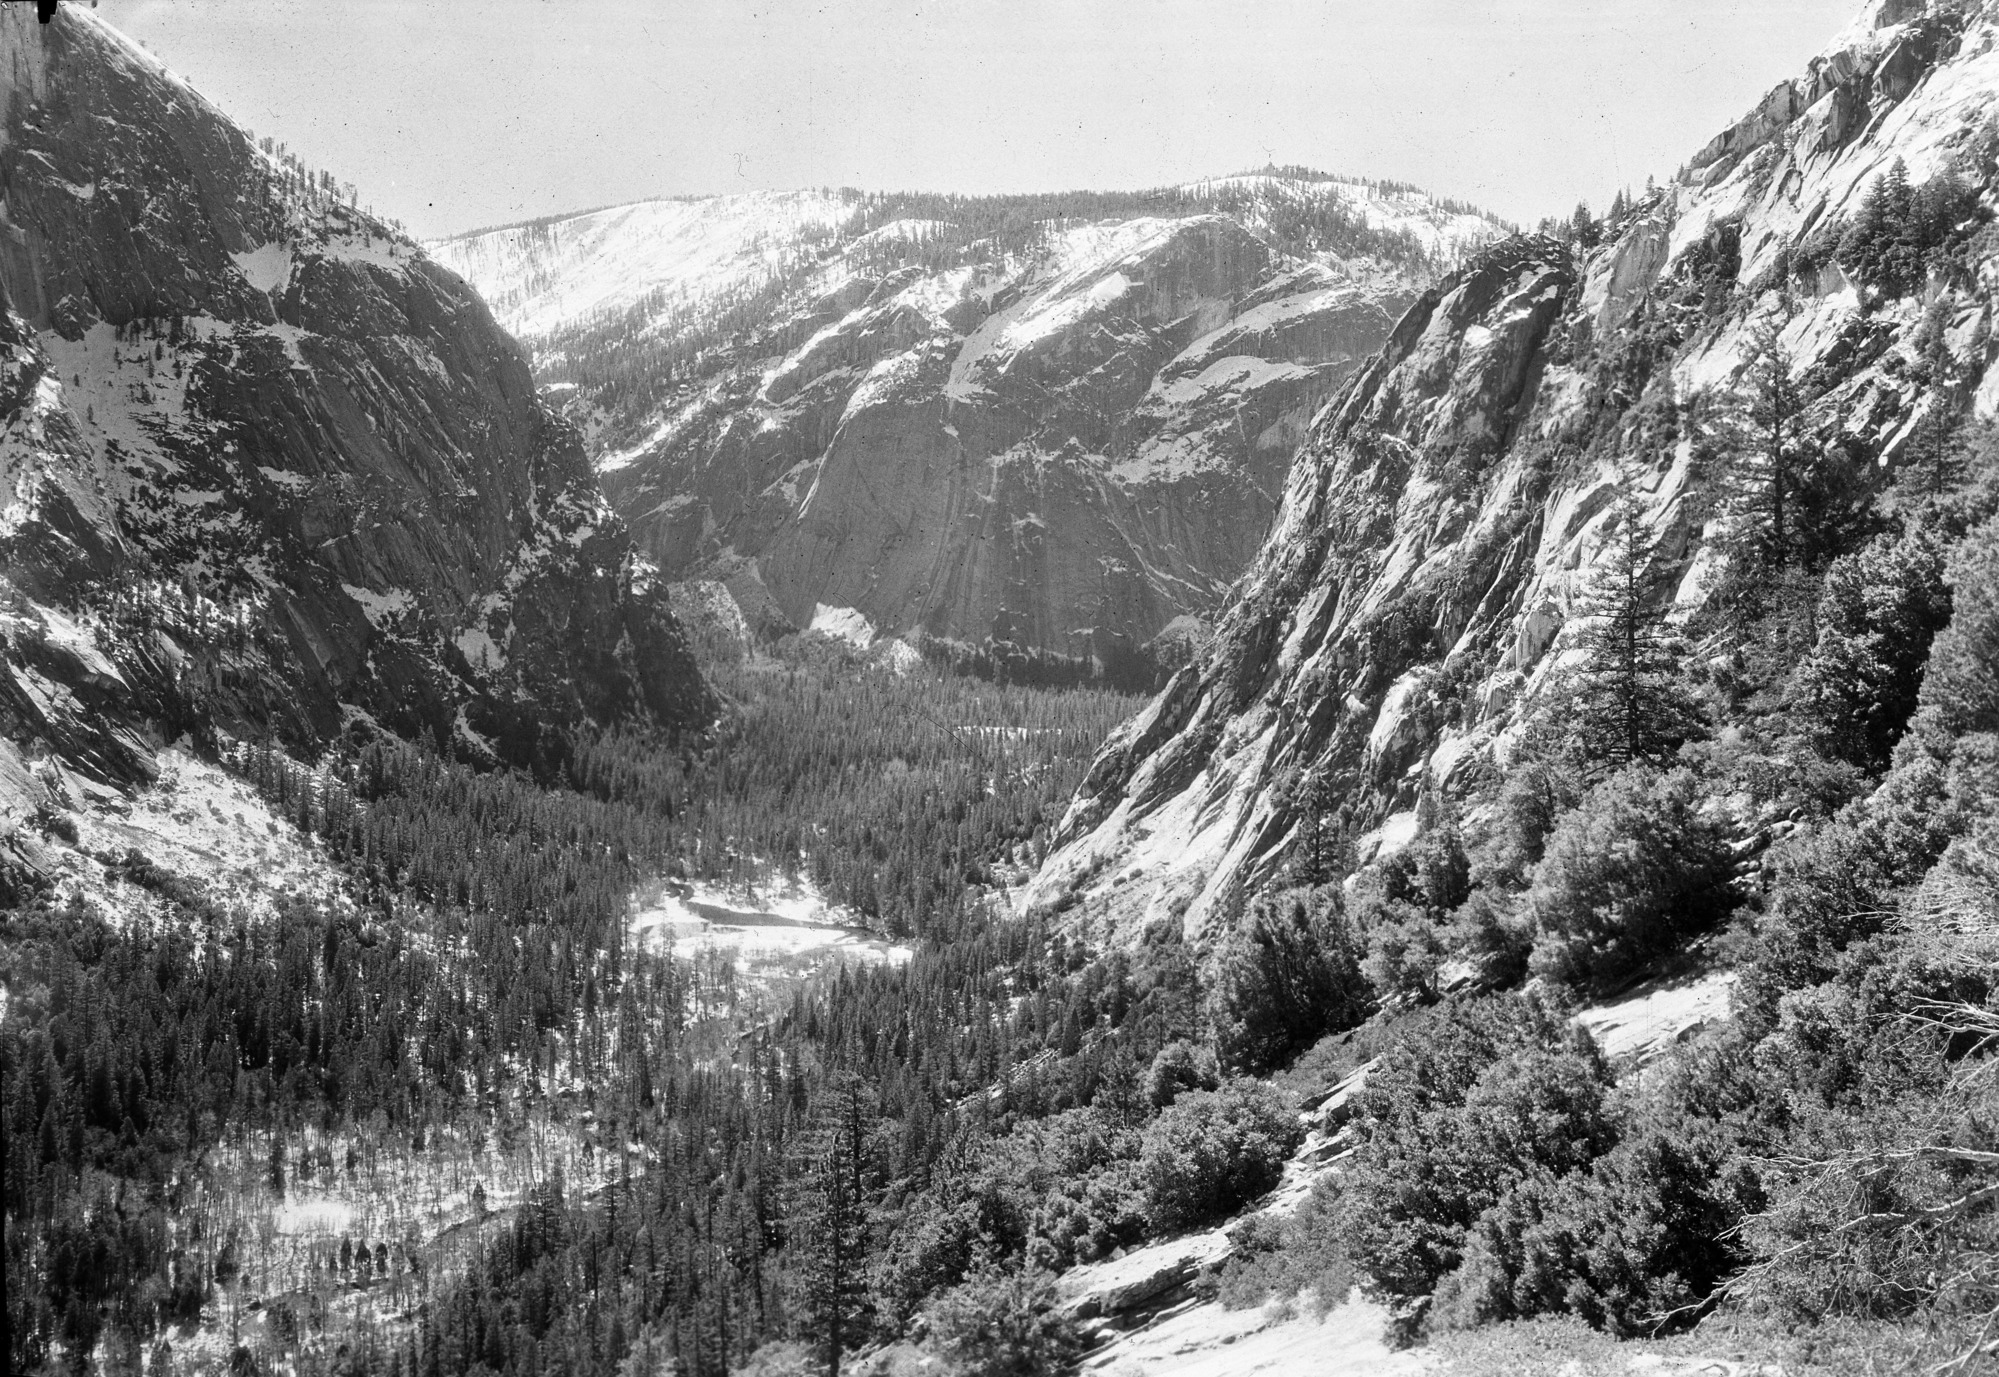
{"x":268,"y":469}
{"x":1421,"y":586}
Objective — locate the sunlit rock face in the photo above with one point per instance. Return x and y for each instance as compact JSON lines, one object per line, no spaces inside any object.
{"x":1065,"y":442}
{"x":1421,"y":580}
{"x":267,"y":467}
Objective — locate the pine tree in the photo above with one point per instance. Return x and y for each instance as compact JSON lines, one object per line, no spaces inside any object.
{"x":1775,"y":452}
{"x":832,"y":1185}
{"x":1583,"y":228}
{"x":1935,"y":452}
{"x":1629,"y":703}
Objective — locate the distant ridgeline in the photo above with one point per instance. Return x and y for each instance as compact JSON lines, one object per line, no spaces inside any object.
{"x":1057,"y":421}
{"x":937,"y":231}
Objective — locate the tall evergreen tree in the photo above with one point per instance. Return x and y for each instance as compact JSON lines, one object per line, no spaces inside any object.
{"x":1774,"y":453}
{"x":832,"y":1188}
{"x":1629,"y":702}
{"x":1934,"y":455}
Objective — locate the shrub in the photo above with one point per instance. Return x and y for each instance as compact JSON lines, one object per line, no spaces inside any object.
{"x":1002,"y":1326}
{"x":1835,"y":884}
{"x":1874,"y":1215}
{"x":1532,"y":799}
{"x":1826,"y":892}
{"x":1286,"y":976}
{"x":1646,"y":1231}
{"x":1180,"y":1066}
{"x":1960,"y":692}
{"x":1088,"y":1216}
{"x":1404,"y":951}
{"x":1418,"y":1185}
{"x":1213,"y":1150}
{"x":1399,"y":906}
{"x":1283,"y":1258}
{"x":1061,"y":1190}
{"x":1483,"y":932}
{"x":1625,"y":874}
{"x":651,"y":1355}
{"x":1878,"y":611}
{"x":1472,"y":1100}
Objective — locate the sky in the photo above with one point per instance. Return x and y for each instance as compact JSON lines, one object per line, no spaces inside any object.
{"x":455,"y":114}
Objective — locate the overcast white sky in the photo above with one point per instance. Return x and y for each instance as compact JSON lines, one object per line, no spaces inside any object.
{"x":457,"y":113}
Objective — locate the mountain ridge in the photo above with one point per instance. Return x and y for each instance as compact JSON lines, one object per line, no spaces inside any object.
{"x":730,"y":356}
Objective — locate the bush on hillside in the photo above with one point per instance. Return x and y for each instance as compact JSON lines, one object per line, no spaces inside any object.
{"x":1491,"y":936}
{"x":1960,"y":691}
{"x":1877,"y":1202}
{"x":1626,"y":875}
{"x":1214,"y":1150}
{"x":1180,"y":1066}
{"x":1002,"y":1325}
{"x":1532,"y":798}
{"x":1400,"y":905}
{"x":1647,"y":1231}
{"x":1503,"y":1094}
{"x":781,"y":1358}
{"x":1287,"y":975}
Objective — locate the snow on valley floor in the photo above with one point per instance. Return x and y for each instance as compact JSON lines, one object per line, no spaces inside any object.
{"x":783,"y":927}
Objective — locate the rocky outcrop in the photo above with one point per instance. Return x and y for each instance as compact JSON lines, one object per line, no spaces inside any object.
{"x":1419,"y":584}
{"x":268,"y":466}
{"x":1066,"y":447}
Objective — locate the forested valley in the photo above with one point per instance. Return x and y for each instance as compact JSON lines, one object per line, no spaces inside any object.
{"x":656,"y":1169}
{"x":473,"y":992}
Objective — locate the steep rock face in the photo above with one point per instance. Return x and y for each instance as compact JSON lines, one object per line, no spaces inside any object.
{"x":1066,"y":446}
{"x":1420,"y":584}
{"x":265,"y":461}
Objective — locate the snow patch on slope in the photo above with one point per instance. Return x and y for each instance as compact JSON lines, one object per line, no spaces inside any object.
{"x":267,"y":268}
{"x":195,"y":821}
{"x":381,"y":607}
{"x":694,"y":250}
{"x":1283,"y":1339}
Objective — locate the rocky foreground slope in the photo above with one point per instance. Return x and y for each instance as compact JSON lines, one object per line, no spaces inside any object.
{"x":267,"y":467}
{"x":1059,"y":422}
{"x":1423,"y":580}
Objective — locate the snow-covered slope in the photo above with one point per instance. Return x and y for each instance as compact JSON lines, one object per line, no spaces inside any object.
{"x":549,"y":275}
{"x":264,"y":467}
{"x":1450,"y":506}
{"x":1058,"y":421}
